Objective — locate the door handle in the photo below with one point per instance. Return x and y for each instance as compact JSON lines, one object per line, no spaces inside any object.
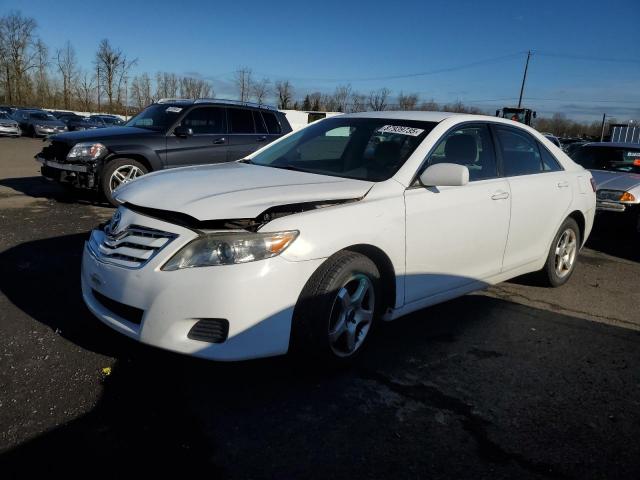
{"x":262,"y":138}
{"x":219,"y":141}
{"x":500,"y":196}
{"x":562,"y":184}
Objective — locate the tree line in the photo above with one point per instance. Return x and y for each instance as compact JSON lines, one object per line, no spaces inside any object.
{"x":31,"y":74}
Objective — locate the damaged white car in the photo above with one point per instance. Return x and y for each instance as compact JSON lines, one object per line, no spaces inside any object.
{"x":308,"y":243}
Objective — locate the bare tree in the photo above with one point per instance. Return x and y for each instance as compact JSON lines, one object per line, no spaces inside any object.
{"x":66,"y":63}
{"x":407,"y":101}
{"x":284,"y":90}
{"x":42,"y":65}
{"x":141,"y":95}
{"x":341,"y":97}
{"x":378,"y":99}
{"x":113,"y":66}
{"x":244,"y":83}
{"x":85,"y":87}
{"x":358,"y":102}
{"x":167,"y":85}
{"x":17,"y":37}
{"x":430,"y":106}
{"x":261,"y":90}
{"x":195,"y":88}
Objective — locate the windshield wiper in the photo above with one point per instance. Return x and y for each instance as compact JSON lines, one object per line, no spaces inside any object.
{"x":291,"y":167}
{"x":244,"y":160}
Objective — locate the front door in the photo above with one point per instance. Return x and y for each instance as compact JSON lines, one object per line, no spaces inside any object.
{"x":457,"y":235}
{"x":208,"y":144}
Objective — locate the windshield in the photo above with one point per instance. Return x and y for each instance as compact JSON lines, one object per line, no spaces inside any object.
{"x":370,"y":149}
{"x":42,"y":116}
{"x":618,"y":159}
{"x":155,"y":117}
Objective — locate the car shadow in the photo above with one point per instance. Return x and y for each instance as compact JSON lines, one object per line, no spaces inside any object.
{"x":162,"y":413}
{"x":616,"y":239}
{"x":41,"y":187}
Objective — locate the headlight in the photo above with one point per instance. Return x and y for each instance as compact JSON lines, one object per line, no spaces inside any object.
{"x":86,"y":151}
{"x":230,"y":248}
{"x":615,"y":196}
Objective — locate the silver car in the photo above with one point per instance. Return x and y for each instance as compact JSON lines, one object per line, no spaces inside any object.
{"x":616,"y":170}
{"x":8,"y":126}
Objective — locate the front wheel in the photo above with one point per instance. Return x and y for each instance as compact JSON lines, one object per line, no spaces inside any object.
{"x":118,"y":172}
{"x":337,"y":309}
{"x":563,"y":254}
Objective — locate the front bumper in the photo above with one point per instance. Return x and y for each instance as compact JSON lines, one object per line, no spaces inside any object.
{"x":13,"y":131}
{"x":45,"y":131}
{"x":625,"y":215}
{"x":81,"y":175}
{"x":257,"y":299}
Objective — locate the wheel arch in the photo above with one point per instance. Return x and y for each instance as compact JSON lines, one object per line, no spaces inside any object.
{"x":131,"y":156}
{"x":580,"y":219}
{"x":385,"y":267}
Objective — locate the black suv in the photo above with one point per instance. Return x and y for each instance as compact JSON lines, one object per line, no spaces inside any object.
{"x":169,"y":133}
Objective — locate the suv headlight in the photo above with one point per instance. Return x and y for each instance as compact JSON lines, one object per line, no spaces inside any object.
{"x":230,"y":248}
{"x":615,"y":196}
{"x":86,"y":151}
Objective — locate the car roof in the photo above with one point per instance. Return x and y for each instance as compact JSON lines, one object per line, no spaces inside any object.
{"x":214,"y":101}
{"x":405,"y":115}
{"x":612,"y":144}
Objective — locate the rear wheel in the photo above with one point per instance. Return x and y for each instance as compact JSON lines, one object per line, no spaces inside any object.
{"x":337,"y":309}
{"x":563,"y":255}
{"x":118,"y":172}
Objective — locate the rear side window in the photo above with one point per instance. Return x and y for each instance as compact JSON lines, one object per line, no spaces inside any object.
{"x":241,"y":121}
{"x":520,"y":152}
{"x":205,"y":121}
{"x":549,"y":162}
{"x":272,"y":123}
{"x":257,"y":120}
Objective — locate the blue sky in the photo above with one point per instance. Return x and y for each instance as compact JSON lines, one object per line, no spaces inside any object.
{"x":586,"y":53}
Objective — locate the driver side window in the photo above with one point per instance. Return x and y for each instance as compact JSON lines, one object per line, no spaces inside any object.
{"x":470,"y":146}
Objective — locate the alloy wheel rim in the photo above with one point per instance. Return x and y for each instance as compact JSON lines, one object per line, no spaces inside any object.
{"x":565,"y":253}
{"x":351,"y":315}
{"x":124,"y":174}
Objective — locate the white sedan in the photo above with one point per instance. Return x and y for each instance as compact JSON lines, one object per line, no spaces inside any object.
{"x":309,"y":242}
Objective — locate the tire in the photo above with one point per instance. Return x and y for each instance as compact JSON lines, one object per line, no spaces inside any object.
{"x":553,"y":275}
{"x":109,"y":177}
{"x":330,"y":325}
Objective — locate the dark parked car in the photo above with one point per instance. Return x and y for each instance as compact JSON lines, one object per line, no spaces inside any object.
{"x":107,"y":120}
{"x":167,"y":134}
{"x":38,"y":123}
{"x":75,"y":122}
{"x":8,"y":126}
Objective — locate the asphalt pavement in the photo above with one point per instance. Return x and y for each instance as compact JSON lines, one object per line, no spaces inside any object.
{"x":518,"y":381}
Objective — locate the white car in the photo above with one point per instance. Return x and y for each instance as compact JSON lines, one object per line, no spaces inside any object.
{"x":307,"y":243}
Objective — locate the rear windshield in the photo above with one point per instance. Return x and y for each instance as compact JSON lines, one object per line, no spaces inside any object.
{"x":155,"y":117}
{"x":369,"y":149}
{"x":619,"y":159}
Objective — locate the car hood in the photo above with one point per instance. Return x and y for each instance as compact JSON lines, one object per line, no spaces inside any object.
{"x":234,"y":190}
{"x":616,"y":180}
{"x":102,"y":134}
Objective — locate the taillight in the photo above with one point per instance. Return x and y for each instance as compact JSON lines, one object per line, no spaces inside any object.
{"x":593,"y":184}
{"x":636,"y":162}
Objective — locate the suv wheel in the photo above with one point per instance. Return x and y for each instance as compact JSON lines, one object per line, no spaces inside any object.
{"x":118,"y":172}
{"x":337,"y":309}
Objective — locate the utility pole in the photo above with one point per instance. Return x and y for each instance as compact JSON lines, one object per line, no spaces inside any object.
{"x":126,"y":97}
{"x":524,"y":79}
{"x":98,"y":85}
{"x":604,"y":115}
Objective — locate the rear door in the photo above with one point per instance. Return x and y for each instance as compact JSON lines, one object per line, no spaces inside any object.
{"x":541,"y":193}
{"x":208,"y":144}
{"x":247,"y":132}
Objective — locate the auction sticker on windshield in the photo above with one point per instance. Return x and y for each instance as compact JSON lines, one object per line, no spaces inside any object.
{"x":173,"y":110}
{"x":414,"y":132}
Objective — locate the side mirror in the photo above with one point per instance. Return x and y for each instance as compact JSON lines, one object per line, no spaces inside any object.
{"x":445,"y":175}
{"x":182,"y":131}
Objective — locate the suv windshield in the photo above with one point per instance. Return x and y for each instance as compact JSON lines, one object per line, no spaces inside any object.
{"x":619,"y":159}
{"x":371,"y":149}
{"x":155,"y":117}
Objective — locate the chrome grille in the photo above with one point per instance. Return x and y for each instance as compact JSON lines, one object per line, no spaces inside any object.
{"x":133,"y":247}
